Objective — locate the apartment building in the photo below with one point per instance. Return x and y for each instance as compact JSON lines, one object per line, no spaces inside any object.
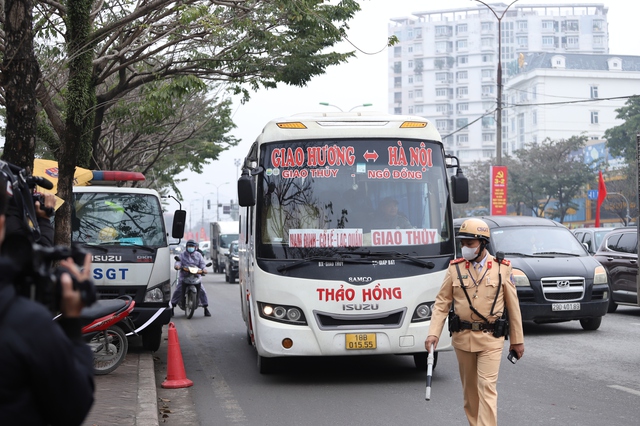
{"x":445,"y":65}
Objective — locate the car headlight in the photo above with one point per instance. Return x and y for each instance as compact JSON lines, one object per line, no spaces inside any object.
{"x":520,"y":278}
{"x":600,"y":275}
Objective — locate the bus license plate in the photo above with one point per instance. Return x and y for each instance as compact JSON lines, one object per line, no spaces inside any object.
{"x":565,"y":307}
{"x":360,"y":341}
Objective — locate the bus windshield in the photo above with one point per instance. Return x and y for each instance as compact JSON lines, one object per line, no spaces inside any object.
{"x":327,"y":195}
{"x":121,"y":219}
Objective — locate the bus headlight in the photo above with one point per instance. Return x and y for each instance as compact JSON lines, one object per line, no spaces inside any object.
{"x":520,"y":278}
{"x":422,"y":312}
{"x":282,"y":313}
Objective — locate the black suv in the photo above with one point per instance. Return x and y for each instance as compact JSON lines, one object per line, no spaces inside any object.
{"x":618,"y":253}
{"x":556,"y":278}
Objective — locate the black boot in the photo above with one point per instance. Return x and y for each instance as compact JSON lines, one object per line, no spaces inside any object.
{"x":206,"y":312}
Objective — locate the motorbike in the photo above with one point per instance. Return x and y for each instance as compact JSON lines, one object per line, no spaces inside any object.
{"x":191,"y":285}
{"x":102,"y":332}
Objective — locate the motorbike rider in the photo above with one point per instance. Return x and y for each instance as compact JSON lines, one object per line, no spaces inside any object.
{"x":46,"y":369}
{"x":190,"y":257}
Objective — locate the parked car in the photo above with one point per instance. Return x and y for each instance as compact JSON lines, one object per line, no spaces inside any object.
{"x":618,"y":253}
{"x":591,"y":237}
{"x":556,"y":278}
{"x":231,"y":263}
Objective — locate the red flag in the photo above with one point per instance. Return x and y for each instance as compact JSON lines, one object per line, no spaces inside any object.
{"x":602,"y":194}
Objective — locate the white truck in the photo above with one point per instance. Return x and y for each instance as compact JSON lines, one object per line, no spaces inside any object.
{"x":124,"y":230}
{"x":222,"y":233}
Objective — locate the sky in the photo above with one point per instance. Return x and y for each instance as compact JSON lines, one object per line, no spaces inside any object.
{"x":362,"y":80}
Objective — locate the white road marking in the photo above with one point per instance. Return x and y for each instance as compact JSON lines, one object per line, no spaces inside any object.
{"x":625,"y":389}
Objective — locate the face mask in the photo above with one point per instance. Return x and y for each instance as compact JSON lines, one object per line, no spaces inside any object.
{"x":191,"y":249}
{"x":469,"y":253}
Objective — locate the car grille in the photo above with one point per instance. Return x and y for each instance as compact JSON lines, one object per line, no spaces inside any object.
{"x":563,"y":289}
{"x":328,"y":321}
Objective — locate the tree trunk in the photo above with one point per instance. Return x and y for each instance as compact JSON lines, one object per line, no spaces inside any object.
{"x":20,"y":74}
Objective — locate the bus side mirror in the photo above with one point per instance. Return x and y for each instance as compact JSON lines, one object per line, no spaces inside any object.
{"x":459,"y":187}
{"x":246,"y":190}
{"x":179,"y":220}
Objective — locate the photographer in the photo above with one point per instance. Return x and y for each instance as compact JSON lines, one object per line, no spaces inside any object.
{"x":46,"y":370}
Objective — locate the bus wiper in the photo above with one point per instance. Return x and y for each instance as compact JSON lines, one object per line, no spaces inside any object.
{"x":106,"y":250}
{"x":427,"y":264}
{"x":288,"y":266}
{"x":555,"y":253}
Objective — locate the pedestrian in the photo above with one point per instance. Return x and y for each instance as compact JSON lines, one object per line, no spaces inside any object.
{"x":46,"y":369}
{"x":481,"y":289}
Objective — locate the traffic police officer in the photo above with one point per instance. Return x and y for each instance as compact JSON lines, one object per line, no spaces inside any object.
{"x":480,"y":288}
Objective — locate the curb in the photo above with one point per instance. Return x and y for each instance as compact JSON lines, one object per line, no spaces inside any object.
{"x":147,"y":411}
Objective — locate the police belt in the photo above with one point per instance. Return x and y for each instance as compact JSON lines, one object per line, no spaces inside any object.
{"x":476,"y":326}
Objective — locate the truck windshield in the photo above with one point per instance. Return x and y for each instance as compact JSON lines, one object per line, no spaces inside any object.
{"x":119,"y":219}
{"x":326,"y":195}
{"x":226,"y":239}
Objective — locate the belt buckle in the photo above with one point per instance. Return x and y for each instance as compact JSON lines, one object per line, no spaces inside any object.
{"x":475,"y":326}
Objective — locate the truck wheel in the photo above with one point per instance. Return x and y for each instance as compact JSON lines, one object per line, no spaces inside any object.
{"x":613,"y":306}
{"x":151,"y":338}
{"x":591,"y":323}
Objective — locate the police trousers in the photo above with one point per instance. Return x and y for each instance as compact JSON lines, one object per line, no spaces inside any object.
{"x":479,"y":377}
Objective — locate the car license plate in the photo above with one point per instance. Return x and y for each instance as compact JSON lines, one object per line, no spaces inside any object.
{"x":360,"y":341}
{"x":565,"y":307}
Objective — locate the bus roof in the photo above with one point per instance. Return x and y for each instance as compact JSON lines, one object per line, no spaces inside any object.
{"x":348,"y":125}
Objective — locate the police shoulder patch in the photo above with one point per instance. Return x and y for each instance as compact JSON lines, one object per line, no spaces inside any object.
{"x":458,"y":260}
{"x":505,"y":262}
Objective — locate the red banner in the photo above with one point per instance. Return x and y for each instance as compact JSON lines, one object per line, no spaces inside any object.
{"x":498,"y":190}
{"x":602,"y":194}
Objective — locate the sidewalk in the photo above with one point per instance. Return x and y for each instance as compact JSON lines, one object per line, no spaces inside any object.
{"x":127,"y":396}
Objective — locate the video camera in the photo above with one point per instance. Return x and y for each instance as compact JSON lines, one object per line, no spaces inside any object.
{"x":37,"y":278}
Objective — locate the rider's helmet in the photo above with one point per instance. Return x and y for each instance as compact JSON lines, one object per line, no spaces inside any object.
{"x":191,"y":246}
{"x":474,"y":229}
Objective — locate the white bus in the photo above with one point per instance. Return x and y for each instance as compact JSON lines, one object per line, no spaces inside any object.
{"x":345,"y":235}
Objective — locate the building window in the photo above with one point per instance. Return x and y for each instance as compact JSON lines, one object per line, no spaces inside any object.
{"x":418,"y":78}
{"x":594,"y":92}
{"x":397,"y":67}
{"x":462,"y":91}
{"x":488,"y":122}
{"x":463,"y":60}
{"x":487,"y":42}
{"x":442,"y":76}
{"x":410,"y":79}
{"x":443,"y":30}
{"x":487,"y":90}
{"x":397,"y":81}
{"x":548,"y":25}
{"x":442,"y":108}
{"x":487,"y":137}
{"x":594,"y":117}
{"x":441,"y":92}
{"x":573,"y":41}
{"x":409,"y":49}
{"x":462,"y":138}
{"x":411,"y":110}
{"x":419,"y":109}
{"x":523,"y":41}
{"x":548,"y":41}
{"x":534,"y":118}
{"x":418,"y":32}
{"x":417,"y":48}
{"x":410,"y":64}
{"x":410,"y":94}
{"x":462,"y":75}
{"x":418,"y":93}
{"x":461,"y":28}
{"x":598,"y":40}
{"x":463,"y":107}
{"x":461,"y":122}
{"x":487,"y":26}
{"x":397,"y":97}
{"x":534,"y":93}
{"x":598,"y":25}
{"x":397,"y":111}
{"x":487,"y":73}
{"x":487,"y":58}
{"x":461,"y":44}
{"x":522,"y":25}
{"x":572,"y":25}
{"x":442,"y":46}
{"x":397,"y":51}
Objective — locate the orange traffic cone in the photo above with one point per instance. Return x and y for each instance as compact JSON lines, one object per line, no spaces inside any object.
{"x":176,"y":377}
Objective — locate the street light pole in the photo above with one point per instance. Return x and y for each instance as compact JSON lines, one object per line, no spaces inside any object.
{"x":499,"y":78}
{"x":218,"y":200}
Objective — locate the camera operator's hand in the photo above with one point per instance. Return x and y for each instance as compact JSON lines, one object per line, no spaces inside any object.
{"x":71,"y":302}
{"x":47,"y":210}
{"x":79,"y":275}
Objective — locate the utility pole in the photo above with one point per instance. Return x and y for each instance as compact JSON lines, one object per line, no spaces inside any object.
{"x":499,"y":81}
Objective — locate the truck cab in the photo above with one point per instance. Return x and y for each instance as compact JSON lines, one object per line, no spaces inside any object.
{"x":124,"y":230}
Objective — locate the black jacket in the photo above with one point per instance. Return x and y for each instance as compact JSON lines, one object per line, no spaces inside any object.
{"x":46,"y":369}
